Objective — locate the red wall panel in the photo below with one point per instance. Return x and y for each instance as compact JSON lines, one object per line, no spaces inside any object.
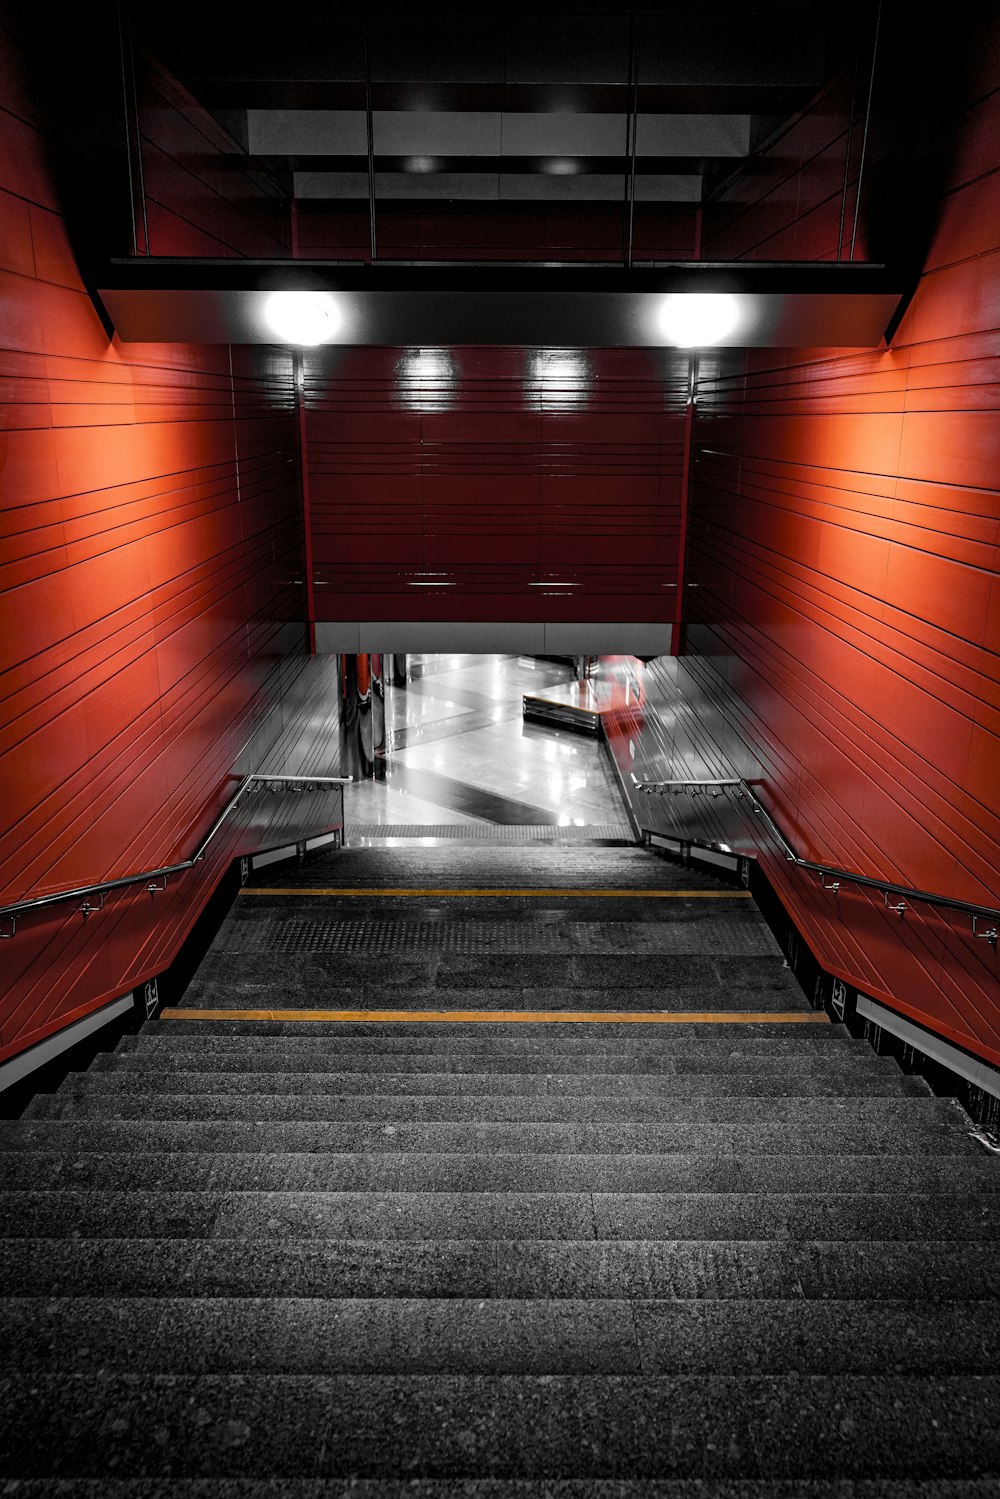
{"x":202,"y":195}
{"x":524,"y":499}
{"x":844,"y":640}
{"x":150,"y":612}
{"x":328,"y":230}
{"x":789,"y":206}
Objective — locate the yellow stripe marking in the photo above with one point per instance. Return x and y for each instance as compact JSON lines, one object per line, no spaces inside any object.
{"x":602,"y":894}
{"x":619,"y":1017}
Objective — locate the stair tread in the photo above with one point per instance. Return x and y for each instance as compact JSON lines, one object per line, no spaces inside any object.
{"x":76,"y":1101}
{"x":682,"y":1260}
{"x":823,"y":1083}
{"x":497,"y":1172}
{"x":486,"y":1488}
{"x":289,"y":1335}
{"x":499,"y":1215}
{"x":867,"y":1270}
{"x":504,"y":1426}
{"x":907,"y":1136}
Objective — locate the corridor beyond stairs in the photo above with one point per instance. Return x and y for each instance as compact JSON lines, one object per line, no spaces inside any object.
{"x":606,"y":1210}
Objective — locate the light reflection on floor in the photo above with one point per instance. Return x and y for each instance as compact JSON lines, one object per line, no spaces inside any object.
{"x":460,"y":753}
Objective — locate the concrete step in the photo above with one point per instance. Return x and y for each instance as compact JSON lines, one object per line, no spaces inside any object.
{"x":537,"y":977}
{"x":532,"y":905}
{"x":495,"y":1172}
{"x":142,"y":1213}
{"x":903,"y":1138}
{"x":856,"y":1082}
{"x":866,"y":1271}
{"x":463,"y":867}
{"x":318,"y":985}
{"x":742,"y":1035}
{"x":75,"y":1100}
{"x":267,"y":981}
{"x":545,"y":1060}
{"x":486,"y":1488}
{"x":285,"y":1335}
{"x":811,"y":1041}
{"x":502,"y":1426}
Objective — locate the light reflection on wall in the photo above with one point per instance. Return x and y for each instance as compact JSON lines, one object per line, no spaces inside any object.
{"x":427,"y":380}
{"x":558,"y":379}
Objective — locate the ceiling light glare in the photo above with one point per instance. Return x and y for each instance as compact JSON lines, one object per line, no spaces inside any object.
{"x":558,"y":379}
{"x":427,"y":380}
{"x":694,"y":320}
{"x":304,"y":318}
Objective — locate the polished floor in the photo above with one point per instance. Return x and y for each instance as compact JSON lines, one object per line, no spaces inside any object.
{"x":460,"y":755}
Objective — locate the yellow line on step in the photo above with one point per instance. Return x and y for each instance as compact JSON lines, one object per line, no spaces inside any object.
{"x":618,"y":1017}
{"x":601,"y":894}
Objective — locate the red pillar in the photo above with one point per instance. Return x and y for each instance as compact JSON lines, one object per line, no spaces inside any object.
{"x":300,"y":406}
{"x":677,"y":629}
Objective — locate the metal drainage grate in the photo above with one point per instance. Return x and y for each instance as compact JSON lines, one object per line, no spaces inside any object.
{"x":720,"y":938}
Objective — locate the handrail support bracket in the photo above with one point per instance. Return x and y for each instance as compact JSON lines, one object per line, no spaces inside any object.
{"x":991,"y":936}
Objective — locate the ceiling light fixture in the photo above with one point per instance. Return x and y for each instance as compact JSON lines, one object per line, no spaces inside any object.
{"x":691,"y":320}
{"x":812,"y":305}
{"x":304,"y":318}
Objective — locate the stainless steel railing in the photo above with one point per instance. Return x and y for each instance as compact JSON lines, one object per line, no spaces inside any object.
{"x":150,"y":877}
{"x":886,"y":888}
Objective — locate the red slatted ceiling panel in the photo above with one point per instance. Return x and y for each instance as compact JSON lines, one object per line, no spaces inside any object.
{"x":150,"y":567}
{"x":520,"y":501}
{"x":845,"y":539}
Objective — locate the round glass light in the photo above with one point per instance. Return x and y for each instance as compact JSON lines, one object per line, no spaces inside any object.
{"x":693,"y":320}
{"x":305,"y":318}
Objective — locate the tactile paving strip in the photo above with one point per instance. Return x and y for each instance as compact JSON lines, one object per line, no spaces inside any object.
{"x":490,"y":832}
{"x":723,"y":937}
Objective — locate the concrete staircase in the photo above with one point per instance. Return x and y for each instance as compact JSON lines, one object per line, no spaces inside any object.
{"x":446,"y":1258}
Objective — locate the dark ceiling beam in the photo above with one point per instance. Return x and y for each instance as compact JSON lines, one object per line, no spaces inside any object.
{"x":211,"y":301}
{"x":543,"y":165}
{"x":277,"y":93}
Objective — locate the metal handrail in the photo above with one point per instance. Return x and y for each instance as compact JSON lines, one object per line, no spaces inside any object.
{"x":831,"y":871}
{"x":150,"y":876}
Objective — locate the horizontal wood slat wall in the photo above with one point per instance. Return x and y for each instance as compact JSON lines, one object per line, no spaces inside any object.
{"x":151,"y":613}
{"x":844,"y":613}
{"x":488,"y":484}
